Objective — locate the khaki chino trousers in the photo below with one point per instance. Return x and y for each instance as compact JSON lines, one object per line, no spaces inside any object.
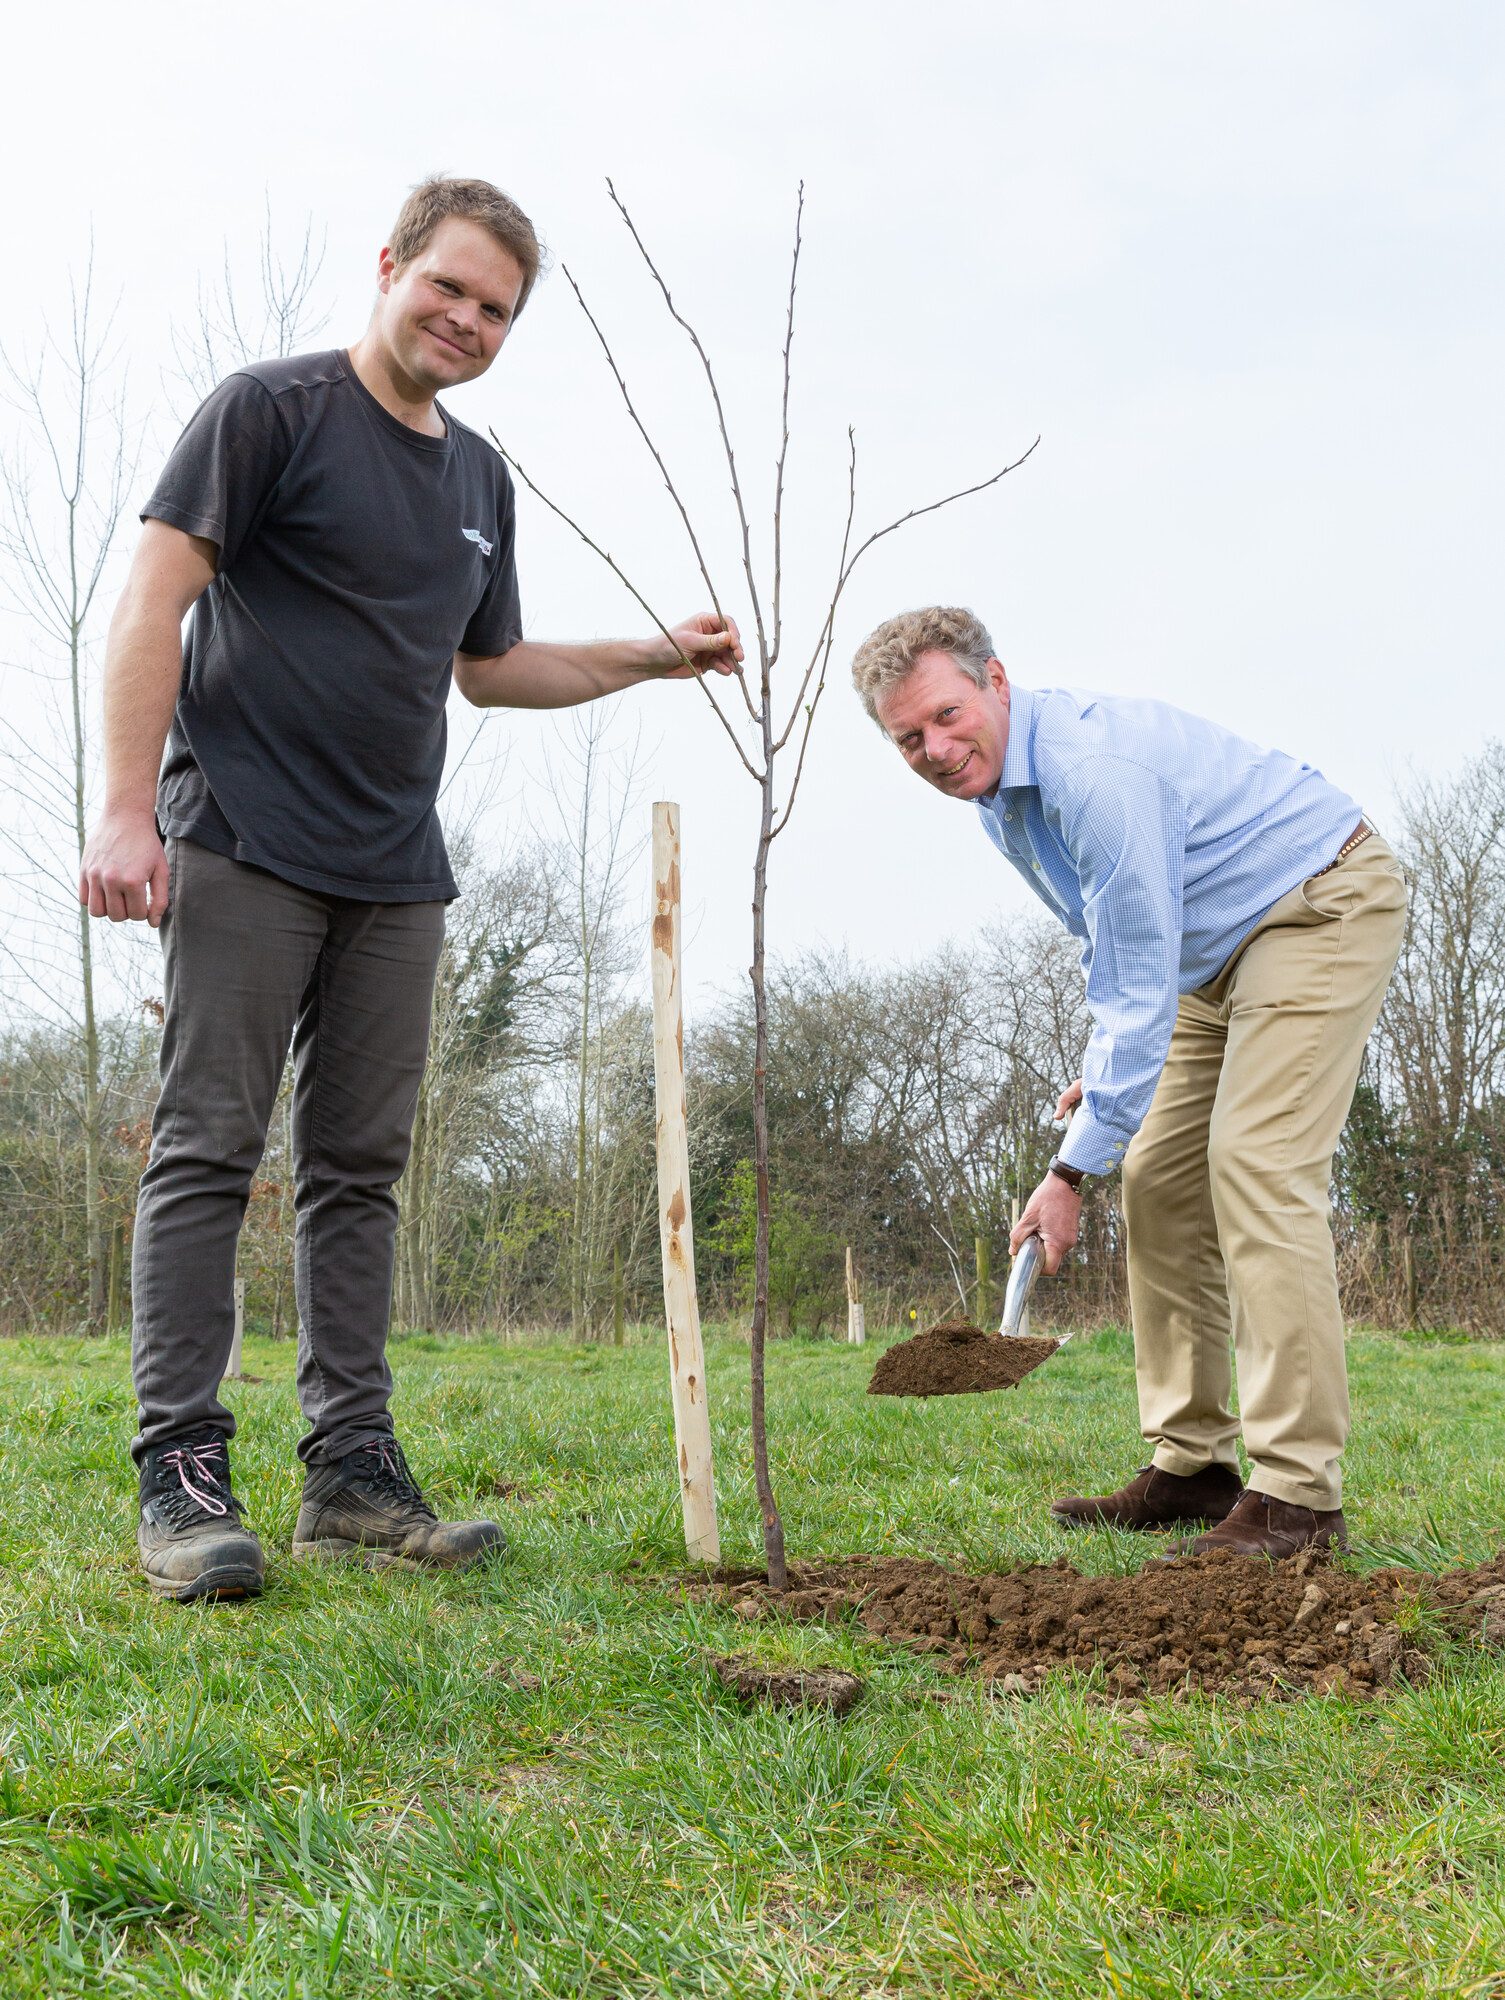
{"x":1226,"y":1189}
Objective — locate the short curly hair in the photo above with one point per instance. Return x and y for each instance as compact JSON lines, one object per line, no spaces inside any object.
{"x":439,"y":197}
{"x":888,"y":654}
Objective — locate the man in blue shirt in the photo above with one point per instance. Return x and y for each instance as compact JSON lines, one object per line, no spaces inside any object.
{"x":1239,"y":924}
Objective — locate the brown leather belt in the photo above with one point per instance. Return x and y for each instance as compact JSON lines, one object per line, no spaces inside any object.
{"x":1356,"y":839}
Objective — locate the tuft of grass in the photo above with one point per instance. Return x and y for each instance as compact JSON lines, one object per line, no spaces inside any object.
{"x":526,"y":1781}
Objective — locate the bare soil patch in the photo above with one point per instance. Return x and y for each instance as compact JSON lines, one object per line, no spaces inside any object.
{"x":513,"y":1677}
{"x":1223,"y":1623}
{"x":510,"y":1489}
{"x":957,"y":1359}
{"x":840,"y":1692}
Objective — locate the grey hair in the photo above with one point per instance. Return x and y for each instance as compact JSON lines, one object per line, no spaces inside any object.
{"x":888,"y":654}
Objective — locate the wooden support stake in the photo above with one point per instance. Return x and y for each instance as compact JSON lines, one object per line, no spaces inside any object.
{"x":984,"y":1299}
{"x":856,"y":1320}
{"x":232,"y":1373}
{"x":692,"y":1415}
{"x":618,"y":1298}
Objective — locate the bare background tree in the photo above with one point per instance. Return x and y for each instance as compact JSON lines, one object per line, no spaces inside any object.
{"x":66,"y":485}
{"x":596,"y":795}
{"x":280,"y":316}
{"x":1421,"y":1197}
{"x":499,"y":964}
{"x":907,"y":1106}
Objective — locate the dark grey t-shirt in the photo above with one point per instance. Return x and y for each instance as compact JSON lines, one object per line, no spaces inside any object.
{"x":356,"y":557}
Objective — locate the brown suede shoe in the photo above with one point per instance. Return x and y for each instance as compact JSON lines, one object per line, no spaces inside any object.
{"x":1261,"y":1525}
{"x":1156,"y":1499}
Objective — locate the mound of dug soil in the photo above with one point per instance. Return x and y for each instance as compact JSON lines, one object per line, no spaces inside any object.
{"x":837,"y":1691}
{"x":957,"y":1359}
{"x":1222,"y":1622}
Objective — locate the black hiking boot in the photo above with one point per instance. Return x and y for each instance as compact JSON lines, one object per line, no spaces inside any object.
{"x":368,"y":1505}
{"x":191,"y":1538}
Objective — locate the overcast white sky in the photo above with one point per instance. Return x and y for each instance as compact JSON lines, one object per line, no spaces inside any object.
{"x":1239,"y":265}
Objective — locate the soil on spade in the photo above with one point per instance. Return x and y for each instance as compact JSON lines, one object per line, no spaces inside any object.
{"x":1221,"y":1622}
{"x":957,"y":1359}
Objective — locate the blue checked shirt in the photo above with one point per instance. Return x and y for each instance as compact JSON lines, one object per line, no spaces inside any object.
{"x":1160,"y":840}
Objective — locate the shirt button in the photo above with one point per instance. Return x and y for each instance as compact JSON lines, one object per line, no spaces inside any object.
{"x":1036,"y":866}
{"x":1008,"y":815}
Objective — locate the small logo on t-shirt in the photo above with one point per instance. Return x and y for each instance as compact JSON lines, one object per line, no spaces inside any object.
{"x":475,"y":535}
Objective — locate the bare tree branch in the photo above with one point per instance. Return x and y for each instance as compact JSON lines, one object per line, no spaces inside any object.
{"x":778,"y":484}
{"x":824,"y":656}
{"x":828,"y":629}
{"x":622,"y":577}
{"x":726,"y":441}
{"x":673,"y":491}
{"x":915,"y":512}
{"x":642,"y":430}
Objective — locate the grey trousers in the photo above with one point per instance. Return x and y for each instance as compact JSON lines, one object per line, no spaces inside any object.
{"x":253,"y":964}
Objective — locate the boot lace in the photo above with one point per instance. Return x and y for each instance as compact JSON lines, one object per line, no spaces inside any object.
{"x":384,"y":1469}
{"x":195,"y":1482}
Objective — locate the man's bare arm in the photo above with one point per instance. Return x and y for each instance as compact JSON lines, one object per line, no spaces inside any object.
{"x":124,"y":870}
{"x":536,"y":675}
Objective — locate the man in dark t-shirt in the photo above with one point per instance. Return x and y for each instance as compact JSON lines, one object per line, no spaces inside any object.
{"x":345,"y":546}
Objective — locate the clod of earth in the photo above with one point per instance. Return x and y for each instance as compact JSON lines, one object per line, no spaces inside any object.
{"x":839,"y":1692}
{"x":513,"y":1677}
{"x":1221,"y":1622}
{"x":957,"y":1359}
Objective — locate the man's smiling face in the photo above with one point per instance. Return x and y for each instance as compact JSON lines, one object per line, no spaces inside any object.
{"x":444,"y":316}
{"x":947,"y":728}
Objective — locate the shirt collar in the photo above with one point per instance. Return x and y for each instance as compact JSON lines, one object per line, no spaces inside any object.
{"x":1018,"y":758}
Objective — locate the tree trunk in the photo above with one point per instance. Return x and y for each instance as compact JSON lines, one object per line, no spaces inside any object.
{"x":117,"y":1259}
{"x":773,"y":1526}
{"x":413,"y":1259}
{"x":579,"y":1248}
{"x":284,"y":1279}
{"x":93,"y":1233}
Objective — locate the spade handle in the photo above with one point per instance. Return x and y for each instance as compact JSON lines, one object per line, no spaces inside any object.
{"x":1022,"y":1275}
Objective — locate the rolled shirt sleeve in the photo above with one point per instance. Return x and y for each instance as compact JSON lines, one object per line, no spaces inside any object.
{"x":1125,"y":828}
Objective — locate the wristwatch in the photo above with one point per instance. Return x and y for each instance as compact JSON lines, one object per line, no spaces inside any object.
{"x":1073,"y":1176}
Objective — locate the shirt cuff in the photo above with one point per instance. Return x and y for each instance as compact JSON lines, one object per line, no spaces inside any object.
{"x":1095,"y":1147}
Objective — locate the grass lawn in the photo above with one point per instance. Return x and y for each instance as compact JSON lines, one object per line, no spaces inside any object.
{"x":343,"y":1789}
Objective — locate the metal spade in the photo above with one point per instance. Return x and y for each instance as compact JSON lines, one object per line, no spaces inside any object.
{"x":1022,"y":1275}
{"x":1023,"y":1272}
